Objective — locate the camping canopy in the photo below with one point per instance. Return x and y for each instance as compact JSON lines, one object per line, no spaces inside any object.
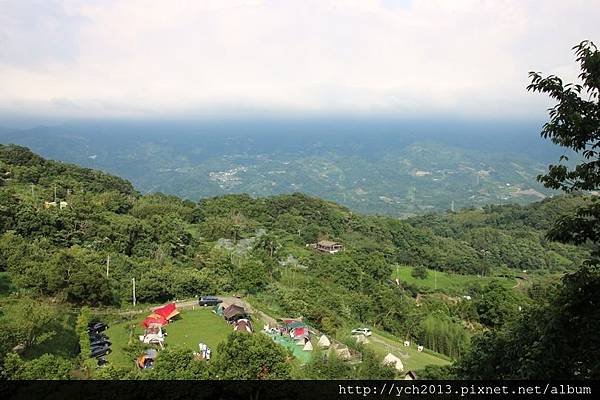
{"x":154,"y":319}
{"x":391,"y":359}
{"x":168,"y":311}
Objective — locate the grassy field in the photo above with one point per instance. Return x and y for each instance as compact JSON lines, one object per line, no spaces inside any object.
{"x":189,"y":329}
{"x":383,"y":343}
{"x":449,"y":283}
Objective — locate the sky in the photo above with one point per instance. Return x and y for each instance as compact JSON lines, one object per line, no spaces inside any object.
{"x":146,"y":59}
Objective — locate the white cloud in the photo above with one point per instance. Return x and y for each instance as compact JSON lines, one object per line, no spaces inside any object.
{"x":149,"y":58}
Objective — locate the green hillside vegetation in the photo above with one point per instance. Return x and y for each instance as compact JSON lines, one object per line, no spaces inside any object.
{"x":256,"y":247}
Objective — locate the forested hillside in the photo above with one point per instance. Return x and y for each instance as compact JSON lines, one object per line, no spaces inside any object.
{"x":73,"y":237}
{"x":375,"y":166}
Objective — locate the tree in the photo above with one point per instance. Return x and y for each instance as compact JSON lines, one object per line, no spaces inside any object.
{"x":46,"y":367}
{"x":496,"y":305}
{"x":559,"y":340}
{"x":245,"y":356}
{"x":575,"y":124}
{"x":178,"y":363}
{"x":25,"y":322}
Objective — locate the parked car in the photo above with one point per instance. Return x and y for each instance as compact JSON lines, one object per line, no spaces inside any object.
{"x":101,"y":342}
{"x":97,"y":327}
{"x":362,"y":331}
{"x":209,"y":301}
{"x":100,"y":351}
{"x":99,"y":346}
{"x":97,"y":337}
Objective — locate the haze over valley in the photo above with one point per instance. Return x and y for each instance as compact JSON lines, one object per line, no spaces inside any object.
{"x":373,"y":165}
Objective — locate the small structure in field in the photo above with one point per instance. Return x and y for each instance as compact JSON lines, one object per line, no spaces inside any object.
{"x":324,"y":342}
{"x":410,"y":376}
{"x":327,"y":246}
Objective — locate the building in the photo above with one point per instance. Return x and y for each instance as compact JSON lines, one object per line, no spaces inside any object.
{"x":330,"y":247}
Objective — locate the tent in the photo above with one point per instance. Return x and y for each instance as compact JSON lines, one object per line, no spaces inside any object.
{"x":154,"y":319}
{"x":243,"y":325}
{"x":343,"y":353}
{"x":168,"y":311}
{"x":308,"y":346}
{"x":218,"y":309}
{"x":146,"y":360}
{"x":300,"y":332}
{"x":296,"y":324}
{"x":394,"y":361}
{"x":324,"y":342}
{"x":361,"y":339}
{"x":234,"y":312}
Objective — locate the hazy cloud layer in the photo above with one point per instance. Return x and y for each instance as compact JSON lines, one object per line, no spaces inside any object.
{"x":180,"y":58}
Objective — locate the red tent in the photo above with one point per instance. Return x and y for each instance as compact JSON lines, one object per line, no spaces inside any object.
{"x":155,"y":319}
{"x":300,"y":332}
{"x":167,"y":312}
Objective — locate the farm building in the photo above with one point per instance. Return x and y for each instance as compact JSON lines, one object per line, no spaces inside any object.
{"x":330,"y":247}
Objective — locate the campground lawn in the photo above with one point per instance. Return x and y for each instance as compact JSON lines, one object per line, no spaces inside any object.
{"x":449,"y":283}
{"x":412,"y":359}
{"x":187,"y":330}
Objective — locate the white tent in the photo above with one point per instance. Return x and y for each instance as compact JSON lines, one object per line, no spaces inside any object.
{"x":343,"y":353}
{"x":391,"y":359}
{"x":308,"y":346}
{"x":324,"y":342}
{"x":361,"y":339}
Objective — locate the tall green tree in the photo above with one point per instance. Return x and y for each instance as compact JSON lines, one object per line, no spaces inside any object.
{"x":559,"y":339}
{"x":245,"y":356}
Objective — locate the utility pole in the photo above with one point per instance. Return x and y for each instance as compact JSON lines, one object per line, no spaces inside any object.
{"x":55,"y":194}
{"x":32,"y":193}
{"x":107,"y":264}
{"x":133,"y":280}
{"x":452,"y":206}
{"x":435,"y":278}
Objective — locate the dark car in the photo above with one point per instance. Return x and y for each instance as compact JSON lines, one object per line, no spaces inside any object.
{"x":99,"y":346}
{"x":100,"y":351}
{"x":98,"y":337}
{"x":101,"y":342}
{"x":97,"y":327}
{"x":209,"y":301}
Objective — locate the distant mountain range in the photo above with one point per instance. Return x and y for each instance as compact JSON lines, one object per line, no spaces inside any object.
{"x":385,"y":166}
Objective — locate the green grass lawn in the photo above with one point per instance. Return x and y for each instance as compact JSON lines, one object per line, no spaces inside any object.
{"x":187,"y":330}
{"x":384,"y":343}
{"x":450,"y":283}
